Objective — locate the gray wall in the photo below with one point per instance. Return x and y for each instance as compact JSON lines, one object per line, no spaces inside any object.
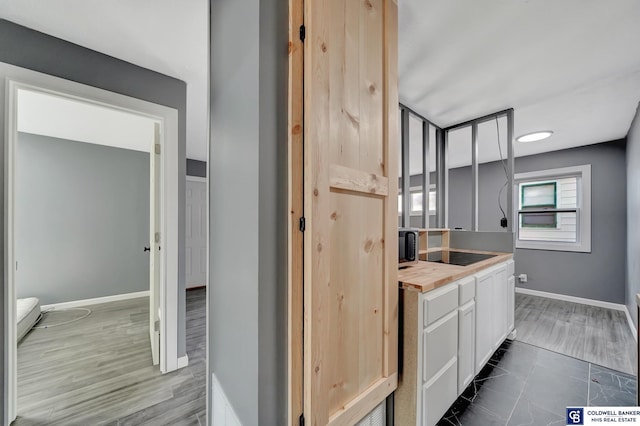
{"x":247,"y":293}
{"x":598,"y":275}
{"x":37,"y":51}
{"x":633,"y":213}
{"x":491,"y":241}
{"x":460,"y":198}
{"x":82,"y":219}
{"x":196,"y":168}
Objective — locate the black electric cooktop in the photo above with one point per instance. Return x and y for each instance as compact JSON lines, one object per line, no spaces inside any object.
{"x":459,"y":258}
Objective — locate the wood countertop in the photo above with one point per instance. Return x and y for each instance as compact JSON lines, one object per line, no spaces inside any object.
{"x":426,"y":276}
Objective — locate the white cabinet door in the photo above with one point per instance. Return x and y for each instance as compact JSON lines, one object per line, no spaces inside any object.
{"x":466,"y":344}
{"x":196,"y":234}
{"x":440,"y":342}
{"x":511,"y":305}
{"x":500,"y":284}
{"x":439,"y":394}
{"x":484,"y":318}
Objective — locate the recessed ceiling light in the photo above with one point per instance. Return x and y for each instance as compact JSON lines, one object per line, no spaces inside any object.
{"x":535,"y":136}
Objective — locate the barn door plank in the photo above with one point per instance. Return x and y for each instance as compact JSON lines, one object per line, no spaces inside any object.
{"x":350,"y":245}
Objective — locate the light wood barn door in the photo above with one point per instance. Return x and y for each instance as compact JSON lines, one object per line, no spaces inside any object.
{"x":350,"y":242}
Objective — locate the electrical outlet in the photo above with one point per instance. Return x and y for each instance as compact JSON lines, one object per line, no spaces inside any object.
{"x":523,"y":278}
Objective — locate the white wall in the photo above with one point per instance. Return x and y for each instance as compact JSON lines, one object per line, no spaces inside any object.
{"x":64,"y":118}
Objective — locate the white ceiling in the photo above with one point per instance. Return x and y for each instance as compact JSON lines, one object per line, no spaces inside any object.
{"x":50,"y":115}
{"x":571,"y":66}
{"x":170,"y":37}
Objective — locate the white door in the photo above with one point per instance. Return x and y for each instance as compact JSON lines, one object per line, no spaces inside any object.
{"x":154,"y":244}
{"x":196,"y":233}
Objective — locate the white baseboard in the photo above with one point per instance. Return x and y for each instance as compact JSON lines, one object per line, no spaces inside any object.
{"x":183,"y":361}
{"x":574,"y":299}
{"x":581,"y":300}
{"x":222,"y":411}
{"x":95,"y":301}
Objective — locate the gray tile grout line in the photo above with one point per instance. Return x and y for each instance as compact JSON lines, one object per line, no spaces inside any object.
{"x":520,"y":396}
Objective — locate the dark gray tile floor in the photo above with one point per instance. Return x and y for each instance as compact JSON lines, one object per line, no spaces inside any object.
{"x":526,"y":385}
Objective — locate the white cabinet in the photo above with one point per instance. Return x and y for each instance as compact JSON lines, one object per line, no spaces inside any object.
{"x":484,"y":318}
{"x":448,"y":335}
{"x":494,"y":311}
{"x":466,"y":344}
{"x":511,"y":304}
{"x":439,"y":352}
{"x":439,"y":394}
{"x":511,"y":296}
{"x":499,"y":305}
{"x":440,"y":345}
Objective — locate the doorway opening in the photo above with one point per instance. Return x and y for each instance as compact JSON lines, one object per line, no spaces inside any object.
{"x":154,"y":142}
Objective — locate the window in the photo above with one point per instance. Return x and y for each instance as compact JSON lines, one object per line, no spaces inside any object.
{"x":536,"y":196}
{"x":554,"y":210}
{"x":416,"y":202}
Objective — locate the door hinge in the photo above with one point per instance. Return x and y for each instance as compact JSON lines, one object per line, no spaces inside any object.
{"x":158,"y":148}
{"x":303,"y":33}
{"x":301,"y":420}
{"x":157,"y":237}
{"x":303,"y":224}
{"x":156,"y":326}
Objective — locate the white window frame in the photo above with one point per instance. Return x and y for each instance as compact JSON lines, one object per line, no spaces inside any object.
{"x":583,"y":243}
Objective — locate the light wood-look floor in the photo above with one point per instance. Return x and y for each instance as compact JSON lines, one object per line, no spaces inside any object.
{"x":590,"y":333}
{"x":98,"y":371}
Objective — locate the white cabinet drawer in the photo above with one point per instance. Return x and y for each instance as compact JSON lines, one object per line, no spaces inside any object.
{"x":439,"y":302}
{"x":440,"y":345}
{"x":466,"y":289}
{"x":438,"y":395}
{"x":511,"y":268}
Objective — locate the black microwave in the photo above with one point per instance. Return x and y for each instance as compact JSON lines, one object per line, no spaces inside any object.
{"x":409,"y":246}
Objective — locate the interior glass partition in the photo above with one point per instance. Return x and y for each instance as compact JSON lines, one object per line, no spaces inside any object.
{"x":480,"y":165}
{"x":493,"y":174}
{"x":415,"y":171}
{"x":418,"y":164}
{"x":460,"y":178}
{"x":433,"y":181}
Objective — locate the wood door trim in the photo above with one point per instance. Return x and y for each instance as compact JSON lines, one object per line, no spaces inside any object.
{"x":295,"y":148}
{"x":390,"y":131}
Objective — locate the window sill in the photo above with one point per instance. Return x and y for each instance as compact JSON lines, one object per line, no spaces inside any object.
{"x":550,"y":246}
